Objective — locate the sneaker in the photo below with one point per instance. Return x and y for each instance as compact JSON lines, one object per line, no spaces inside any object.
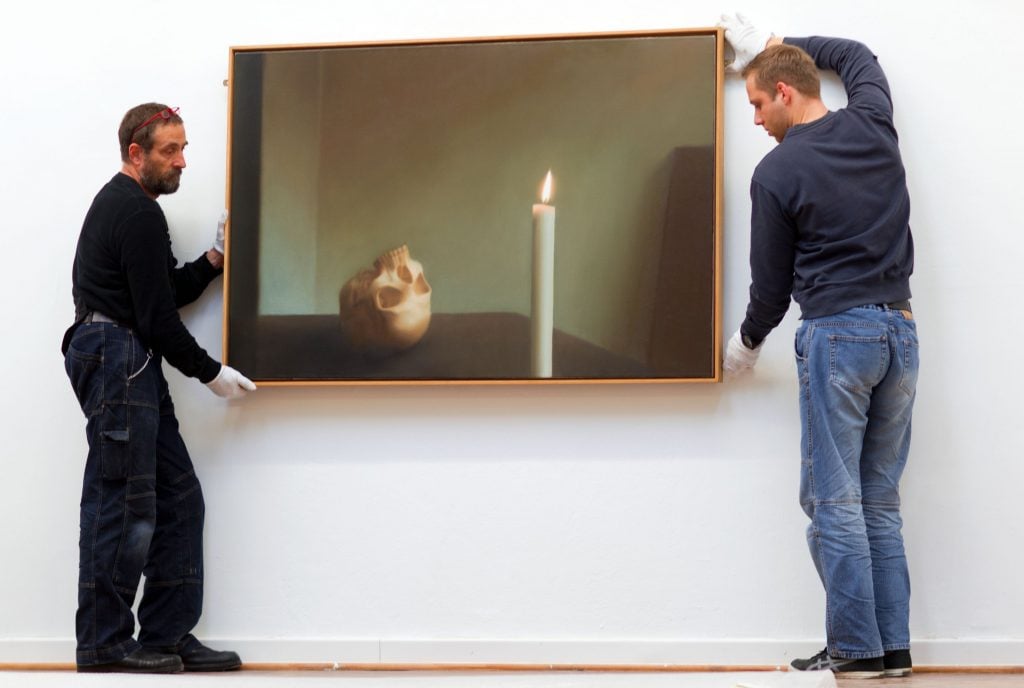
{"x":871,"y":667}
{"x":897,"y":663}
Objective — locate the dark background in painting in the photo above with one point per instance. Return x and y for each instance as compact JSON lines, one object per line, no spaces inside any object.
{"x":634,"y":259}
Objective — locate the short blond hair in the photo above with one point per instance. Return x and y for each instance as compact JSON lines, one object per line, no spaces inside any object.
{"x":786,"y":63}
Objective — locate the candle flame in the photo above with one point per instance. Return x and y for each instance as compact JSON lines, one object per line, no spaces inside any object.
{"x":545,"y":194}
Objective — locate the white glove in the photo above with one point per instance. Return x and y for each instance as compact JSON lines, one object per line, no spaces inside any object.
{"x":218,"y":243}
{"x":745,"y":38}
{"x":738,"y":358}
{"x":230,"y":383}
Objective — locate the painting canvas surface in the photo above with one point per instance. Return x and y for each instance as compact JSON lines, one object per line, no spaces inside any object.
{"x":342,"y":154}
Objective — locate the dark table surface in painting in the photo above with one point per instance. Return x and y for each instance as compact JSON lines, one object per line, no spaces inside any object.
{"x":457,"y":346}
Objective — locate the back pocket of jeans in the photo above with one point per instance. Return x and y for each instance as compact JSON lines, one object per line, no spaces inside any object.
{"x":114,"y":454}
{"x":857,"y":363}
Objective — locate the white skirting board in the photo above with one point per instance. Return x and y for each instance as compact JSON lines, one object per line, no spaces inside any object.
{"x":697,"y":653}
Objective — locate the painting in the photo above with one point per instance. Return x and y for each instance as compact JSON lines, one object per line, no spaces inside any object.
{"x":531,"y":209}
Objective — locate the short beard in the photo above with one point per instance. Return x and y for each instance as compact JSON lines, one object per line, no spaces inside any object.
{"x":159,"y":186}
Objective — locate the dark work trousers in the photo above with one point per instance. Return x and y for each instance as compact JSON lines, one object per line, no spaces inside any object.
{"x":142,"y":507}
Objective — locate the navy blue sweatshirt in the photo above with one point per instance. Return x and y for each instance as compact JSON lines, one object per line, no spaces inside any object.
{"x":830,"y":208}
{"x":124,"y":269}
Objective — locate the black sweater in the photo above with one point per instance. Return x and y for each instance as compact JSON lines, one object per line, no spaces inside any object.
{"x":124,"y":269}
{"x":830,"y":208}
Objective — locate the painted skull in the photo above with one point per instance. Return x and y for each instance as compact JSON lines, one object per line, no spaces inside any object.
{"x":386,"y":308}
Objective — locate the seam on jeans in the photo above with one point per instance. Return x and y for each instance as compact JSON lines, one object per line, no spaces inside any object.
{"x":828,"y":595}
{"x":126,"y":354}
{"x":141,"y":404}
{"x":808,"y":415}
{"x":102,"y":375}
{"x":874,"y":503}
{"x":836,"y":502}
{"x":908,"y":343}
{"x":173,"y":583}
{"x":94,"y":537}
{"x":187,"y":493}
{"x":859,"y":323}
{"x":125,"y":511}
{"x":866,"y":654}
{"x":809,"y":421}
{"x":183,"y":477}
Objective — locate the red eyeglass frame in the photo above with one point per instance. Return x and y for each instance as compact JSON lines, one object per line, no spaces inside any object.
{"x":166,"y":113}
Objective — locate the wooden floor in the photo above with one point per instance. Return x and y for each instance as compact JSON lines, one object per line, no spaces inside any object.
{"x":944,"y":678}
{"x":941,"y":680}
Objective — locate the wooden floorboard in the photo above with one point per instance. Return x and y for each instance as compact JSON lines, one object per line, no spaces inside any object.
{"x":289,"y":674}
{"x":943,"y":679}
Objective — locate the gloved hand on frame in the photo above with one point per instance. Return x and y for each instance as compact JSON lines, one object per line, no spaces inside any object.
{"x":230,"y":383}
{"x":738,"y":358}
{"x":745,"y":38}
{"x":218,"y":242}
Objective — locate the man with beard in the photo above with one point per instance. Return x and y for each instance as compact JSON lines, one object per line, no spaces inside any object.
{"x":142,"y":507}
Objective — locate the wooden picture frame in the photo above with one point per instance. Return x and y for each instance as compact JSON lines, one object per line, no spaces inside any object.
{"x":338,"y":154}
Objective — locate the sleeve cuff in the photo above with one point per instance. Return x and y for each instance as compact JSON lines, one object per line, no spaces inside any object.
{"x":210,"y":370}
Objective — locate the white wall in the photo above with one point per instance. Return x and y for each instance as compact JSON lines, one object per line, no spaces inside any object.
{"x":580,"y":523}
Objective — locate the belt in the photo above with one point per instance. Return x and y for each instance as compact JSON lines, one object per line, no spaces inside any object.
{"x":902,"y":306}
{"x":97,"y":317}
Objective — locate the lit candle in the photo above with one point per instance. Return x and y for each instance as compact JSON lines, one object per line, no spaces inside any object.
{"x":542,"y":320}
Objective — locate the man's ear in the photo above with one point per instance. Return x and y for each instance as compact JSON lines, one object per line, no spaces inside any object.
{"x":785,"y":90}
{"x":135,"y":153}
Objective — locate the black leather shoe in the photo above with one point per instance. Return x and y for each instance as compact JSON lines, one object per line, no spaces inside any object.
{"x":142,"y":661}
{"x":198,"y":657}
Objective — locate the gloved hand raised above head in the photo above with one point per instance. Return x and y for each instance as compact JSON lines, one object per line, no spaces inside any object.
{"x":745,"y":38}
{"x":218,"y":242}
{"x":230,"y":383}
{"x":738,"y":357}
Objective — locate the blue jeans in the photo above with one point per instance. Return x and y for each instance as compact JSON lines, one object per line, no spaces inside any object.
{"x":858,"y":376}
{"x":142,"y":507}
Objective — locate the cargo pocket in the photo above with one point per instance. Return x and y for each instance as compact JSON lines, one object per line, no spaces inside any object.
{"x":114,"y":454}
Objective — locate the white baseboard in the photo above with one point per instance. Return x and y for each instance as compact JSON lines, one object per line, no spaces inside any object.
{"x":730,"y":653}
